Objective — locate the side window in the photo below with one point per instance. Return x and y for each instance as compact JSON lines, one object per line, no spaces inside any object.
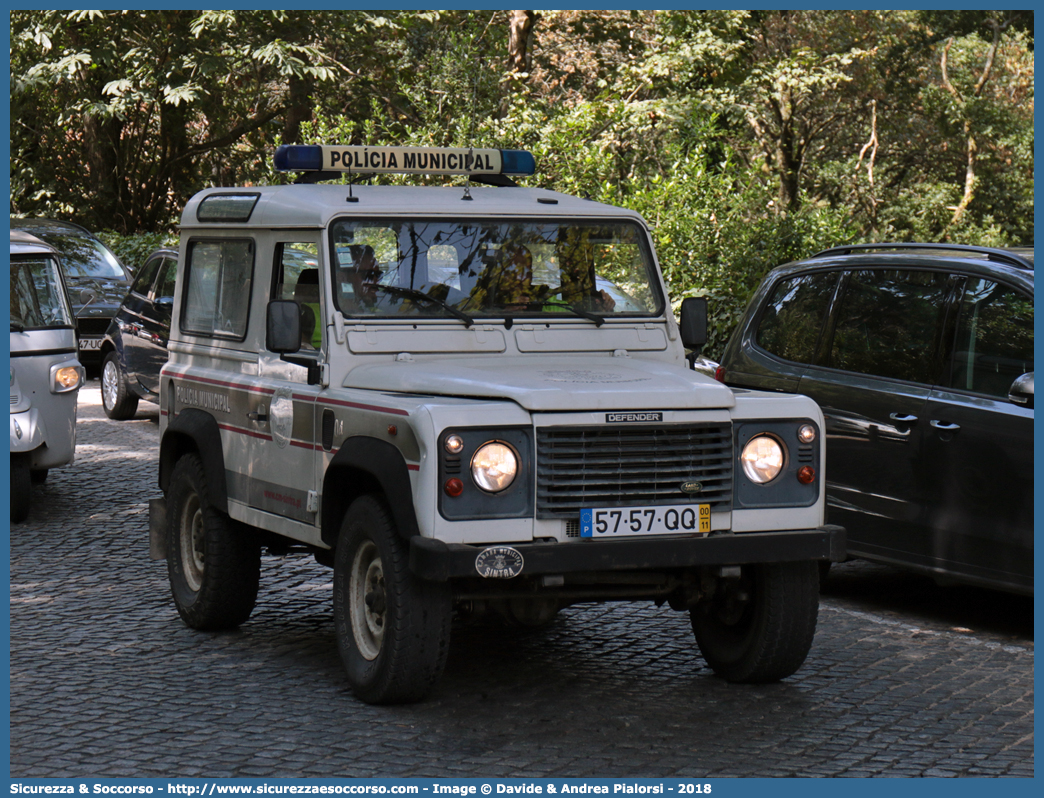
{"x":218,"y":279}
{"x":143,"y":281}
{"x":792,"y":320}
{"x":889,"y":323}
{"x":994,"y":342}
{"x":297,"y":278}
{"x":168,"y":275}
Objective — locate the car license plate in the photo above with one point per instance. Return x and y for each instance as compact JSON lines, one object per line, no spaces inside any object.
{"x":90,"y":344}
{"x":678,"y":519}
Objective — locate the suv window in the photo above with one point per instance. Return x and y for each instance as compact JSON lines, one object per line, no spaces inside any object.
{"x":218,"y":276}
{"x":889,"y":322}
{"x":792,"y":320}
{"x":143,"y":281}
{"x":994,"y":343}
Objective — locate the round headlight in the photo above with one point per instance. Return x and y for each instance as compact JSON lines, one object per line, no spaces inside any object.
{"x":762,"y":459}
{"x":494,"y":467}
{"x":66,"y":379}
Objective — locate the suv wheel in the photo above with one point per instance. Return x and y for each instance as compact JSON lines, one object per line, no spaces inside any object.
{"x":117,"y":400}
{"x":213,"y":564}
{"x":759,"y":628}
{"x":392,"y":628}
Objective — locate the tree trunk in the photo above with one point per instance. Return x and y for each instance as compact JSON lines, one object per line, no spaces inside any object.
{"x":521,"y":25}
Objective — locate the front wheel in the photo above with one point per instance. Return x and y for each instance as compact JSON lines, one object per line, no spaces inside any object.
{"x":759,"y":628}
{"x":21,"y":489}
{"x":213,"y":564}
{"x":392,"y":628}
{"x":117,"y":400}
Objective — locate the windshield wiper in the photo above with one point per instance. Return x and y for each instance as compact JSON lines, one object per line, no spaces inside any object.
{"x":413,"y":293}
{"x":586,"y":314}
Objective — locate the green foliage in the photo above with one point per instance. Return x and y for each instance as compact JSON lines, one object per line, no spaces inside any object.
{"x":133,"y":249}
{"x":745,"y":138}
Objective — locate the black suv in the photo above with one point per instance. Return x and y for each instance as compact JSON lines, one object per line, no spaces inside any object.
{"x":921,"y":357}
{"x":135,"y":345}
{"x":88,"y":264}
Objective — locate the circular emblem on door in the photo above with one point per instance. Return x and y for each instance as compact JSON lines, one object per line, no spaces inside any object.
{"x":281,"y":416}
{"x":499,"y":562}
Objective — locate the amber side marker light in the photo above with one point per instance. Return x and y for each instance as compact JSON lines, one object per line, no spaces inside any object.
{"x":806,"y":475}
{"x":453,"y":487}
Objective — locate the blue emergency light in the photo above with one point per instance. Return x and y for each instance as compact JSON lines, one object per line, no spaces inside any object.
{"x":403,"y":160}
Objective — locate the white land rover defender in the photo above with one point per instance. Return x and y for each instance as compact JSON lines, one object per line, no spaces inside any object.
{"x":469,"y":399}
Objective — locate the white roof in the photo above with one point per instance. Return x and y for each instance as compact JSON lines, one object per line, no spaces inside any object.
{"x":310,"y":205}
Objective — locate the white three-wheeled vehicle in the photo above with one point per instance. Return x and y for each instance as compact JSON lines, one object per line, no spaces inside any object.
{"x":45,"y":374}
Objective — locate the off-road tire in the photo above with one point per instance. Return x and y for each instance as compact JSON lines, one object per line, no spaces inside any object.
{"x":392,"y":628}
{"x":766,"y":637}
{"x":38,"y":476}
{"x":21,"y":490}
{"x":213,"y":562}
{"x":118,"y":402}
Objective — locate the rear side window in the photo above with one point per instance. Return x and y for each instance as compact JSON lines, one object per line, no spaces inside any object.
{"x":994,"y":343}
{"x":889,"y":324}
{"x":792,"y":319}
{"x":217,"y":289}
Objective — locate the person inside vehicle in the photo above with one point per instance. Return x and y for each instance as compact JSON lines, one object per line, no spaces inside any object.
{"x":359,"y":281}
{"x":508,"y":284}
{"x":306,"y":294}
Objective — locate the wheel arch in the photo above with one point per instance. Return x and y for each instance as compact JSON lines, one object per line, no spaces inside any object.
{"x":195,"y":431}
{"x":367,"y":465}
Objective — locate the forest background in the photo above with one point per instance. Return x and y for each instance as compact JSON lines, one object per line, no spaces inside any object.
{"x":745,"y":138}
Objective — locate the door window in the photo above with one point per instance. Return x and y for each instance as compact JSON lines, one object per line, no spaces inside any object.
{"x":792,"y":320}
{"x":994,"y":342}
{"x":297,"y":278}
{"x":889,"y":324}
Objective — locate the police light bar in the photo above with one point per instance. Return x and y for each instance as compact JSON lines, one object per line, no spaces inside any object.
{"x":403,"y":160}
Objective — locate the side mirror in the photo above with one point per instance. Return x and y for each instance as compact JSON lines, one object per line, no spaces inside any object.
{"x":694,"y":323}
{"x":283,"y":327}
{"x":1021,"y":391}
{"x":87,"y":296}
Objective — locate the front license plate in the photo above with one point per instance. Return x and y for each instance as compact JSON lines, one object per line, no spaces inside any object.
{"x":678,"y":519}
{"x":90,"y":344}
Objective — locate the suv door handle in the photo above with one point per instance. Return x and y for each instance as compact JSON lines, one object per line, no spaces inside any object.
{"x":258,"y":415}
{"x":903,"y":418}
{"x":945,"y":426}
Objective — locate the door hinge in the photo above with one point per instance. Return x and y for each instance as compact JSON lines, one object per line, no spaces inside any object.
{"x":313,"y":501}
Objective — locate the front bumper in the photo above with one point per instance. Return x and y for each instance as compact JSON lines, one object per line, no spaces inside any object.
{"x":438,"y":562}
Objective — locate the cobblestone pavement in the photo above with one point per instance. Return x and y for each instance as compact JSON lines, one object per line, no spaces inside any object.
{"x":107,"y":682}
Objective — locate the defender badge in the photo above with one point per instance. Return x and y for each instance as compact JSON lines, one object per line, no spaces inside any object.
{"x":499,"y":562}
{"x":692,"y":487}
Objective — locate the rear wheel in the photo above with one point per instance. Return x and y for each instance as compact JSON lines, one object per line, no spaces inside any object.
{"x":759,"y":628}
{"x":21,"y":490}
{"x":213,"y":563}
{"x":117,"y":400}
{"x":392,"y":628}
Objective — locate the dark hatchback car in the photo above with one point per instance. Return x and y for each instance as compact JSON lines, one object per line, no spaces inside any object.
{"x":88,"y":264}
{"x":921,"y":357}
{"x":135,"y":345}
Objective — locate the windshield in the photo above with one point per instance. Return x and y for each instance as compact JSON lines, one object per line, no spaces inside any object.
{"x":37,"y":297}
{"x":85,"y":258}
{"x":493,"y":269}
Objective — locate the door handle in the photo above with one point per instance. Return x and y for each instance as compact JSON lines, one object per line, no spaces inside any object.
{"x":903,"y":418}
{"x":944,"y":426}
{"x":258,"y":415}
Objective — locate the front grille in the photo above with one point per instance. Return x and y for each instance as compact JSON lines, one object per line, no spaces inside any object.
{"x":631,"y":467}
{"x":92,"y":326}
